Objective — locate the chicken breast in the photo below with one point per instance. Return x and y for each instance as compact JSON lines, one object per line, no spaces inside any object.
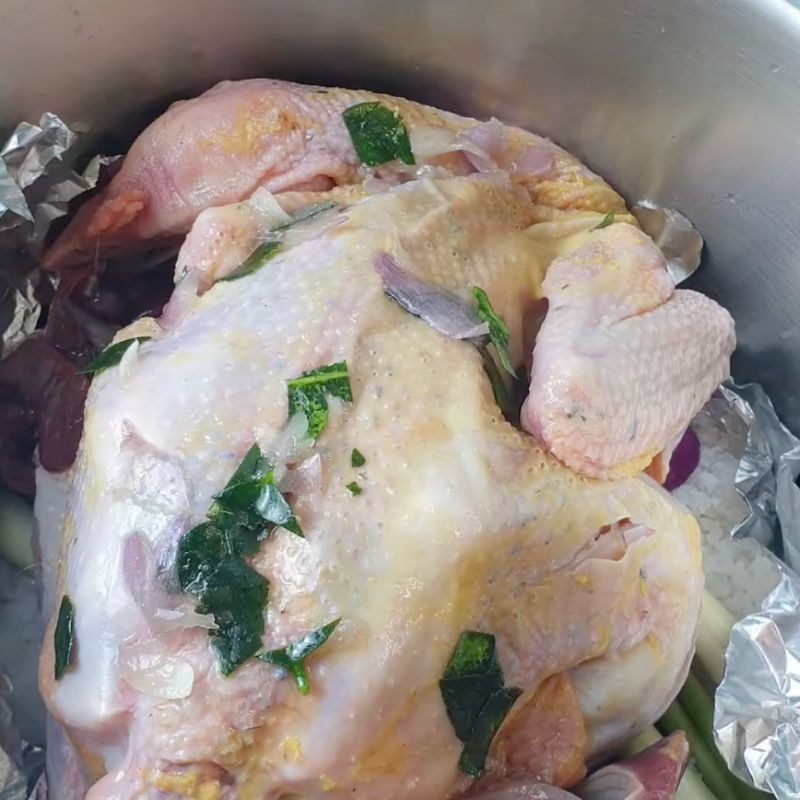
{"x":451,"y":520}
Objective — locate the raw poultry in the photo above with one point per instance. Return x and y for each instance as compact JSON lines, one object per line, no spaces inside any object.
{"x":296,"y":506}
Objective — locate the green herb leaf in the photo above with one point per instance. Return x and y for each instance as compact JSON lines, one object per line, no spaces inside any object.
{"x":244,"y":486}
{"x":308,"y":394}
{"x":306,"y":213}
{"x":211,"y":566}
{"x":256,"y":260}
{"x":476,"y":748}
{"x":357,"y":458}
{"x":471,"y":676}
{"x":235,"y":594}
{"x":502,"y":396}
{"x":211,"y":570}
{"x":474,"y":655}
{"x":354,"y":488}
{"x":63,"y":638}
{"x":378,"y":134}
{"x":607,"y":220}
{"x":269,"y":249}
{"x":498,"y":332}
{"x":250,"y":498}
{"x":199,"y":551}
{"x":292,"y":657}
{"x":474,"y":697}
{"x":111,"y":356}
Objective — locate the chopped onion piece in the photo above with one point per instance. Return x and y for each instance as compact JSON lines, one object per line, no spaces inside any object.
{"x":293,"y":443}
{"x":427,"y":142}
{"x":533,"y":161}
{"x":684,"y":461}
{"x":183,"y":616}
{"x":129,"y":358}
{"x":150,"y":672}
{"x":444,"y":312}
{"x":263,"y":202}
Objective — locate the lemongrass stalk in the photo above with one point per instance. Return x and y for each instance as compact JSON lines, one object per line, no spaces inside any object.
{"x":700,"y":708}
{"x":16,"y":530}
{"x":713,"y":634}
{"x":647,"y":737}
{"x":692,"y":787}
{"x":698,"y":705}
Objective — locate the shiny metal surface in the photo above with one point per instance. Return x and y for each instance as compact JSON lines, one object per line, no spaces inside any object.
{"x":692,"y":104}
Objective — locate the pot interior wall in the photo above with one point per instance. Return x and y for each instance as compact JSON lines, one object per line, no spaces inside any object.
{"x":692,"y":103}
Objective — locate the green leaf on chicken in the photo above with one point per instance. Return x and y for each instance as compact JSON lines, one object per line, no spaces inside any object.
{"x":260,"y":256}
{"x":112,"y":355}
{"x":309,"y":394}
{"x":211,"y":565}
{"x":292,"y":658}
{"x":475,"y":698}
{"x":63,"y":638}
{"x":498,"y":332}
{"x":378,"y":134}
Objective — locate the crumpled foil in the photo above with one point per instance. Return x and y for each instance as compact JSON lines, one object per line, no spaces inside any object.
{"x":37,"y":182}
{"x":22,"y":775}
{"x":38,"y":179}
{"x":757,"y":708}
{"x":767,"y":472}
{"x":674,"y":235}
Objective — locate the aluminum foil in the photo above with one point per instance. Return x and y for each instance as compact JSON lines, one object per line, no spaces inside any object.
{"x":757,"y":711}
{"x":37,"y":182}
{"x":675,"y":236}
{"x":767,"y":472}
{"x":757,"y":708}
{"x":22,"y":775}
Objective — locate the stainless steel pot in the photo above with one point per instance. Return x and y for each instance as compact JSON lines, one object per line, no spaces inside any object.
{"x":689,"y":103}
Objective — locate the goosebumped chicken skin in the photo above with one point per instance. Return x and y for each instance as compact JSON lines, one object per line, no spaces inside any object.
{"x":623,"y":360}
{"x":462,"y":523}
{"x":218,"y":148}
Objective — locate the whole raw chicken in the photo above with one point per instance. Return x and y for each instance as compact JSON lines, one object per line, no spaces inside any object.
{"x":420,"y":518}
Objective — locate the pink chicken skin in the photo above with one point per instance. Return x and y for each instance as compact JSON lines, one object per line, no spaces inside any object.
{"x":460,"y":522}
{"x":623,"y":360}
{"x":220,"y":147}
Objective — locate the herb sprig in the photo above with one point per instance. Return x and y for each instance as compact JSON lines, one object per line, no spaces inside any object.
{"x":269,"y":249}
{"x":293,"y":657}
{"x":607,"y":220}
{"x":63,"y":638}
{"x":211,"y":565}
{"x":498,"y":332}
{"x":308,"y":394}
{"x":475,"y":698}
{"x":260,"y":256}
{"x":378,"y":134}
{"x":111,"y":356}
